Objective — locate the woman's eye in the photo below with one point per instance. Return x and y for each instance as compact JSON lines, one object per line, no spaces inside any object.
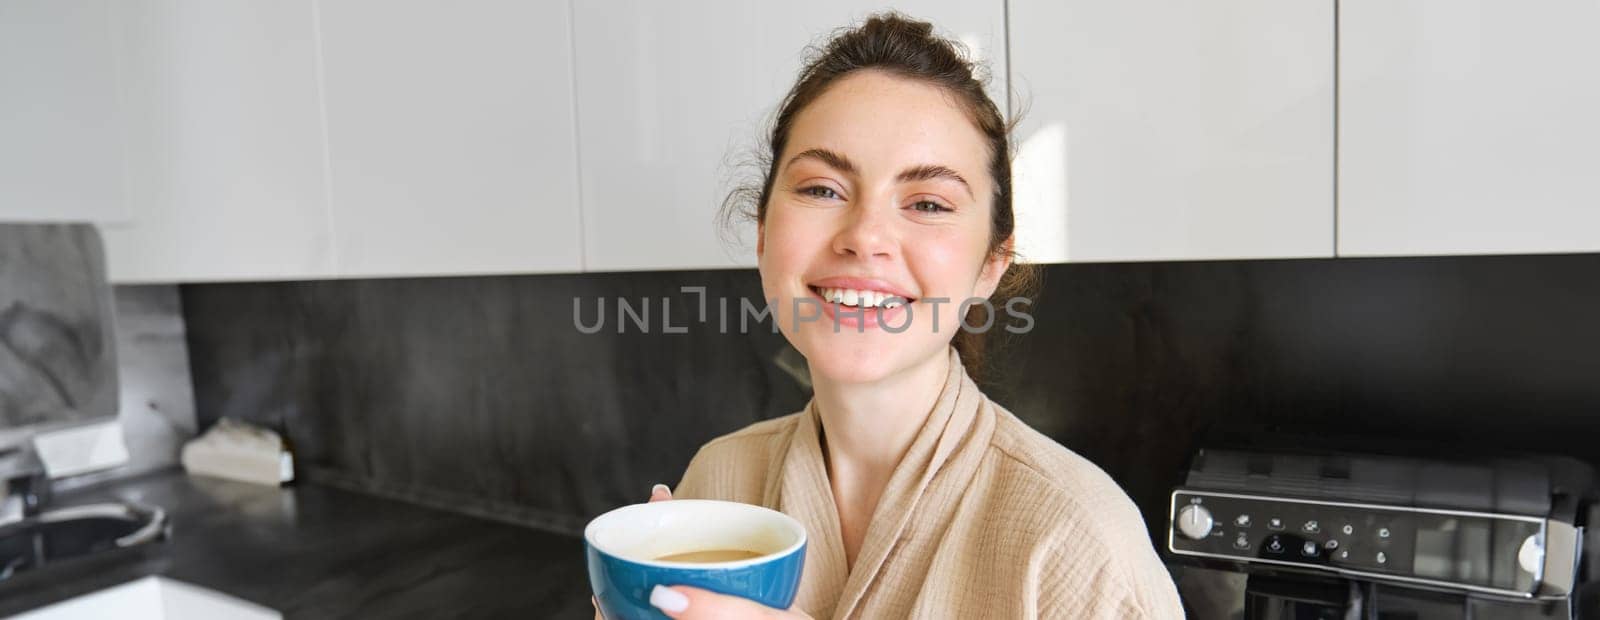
{"x":928,"y":206}
{"x":818,"y":191}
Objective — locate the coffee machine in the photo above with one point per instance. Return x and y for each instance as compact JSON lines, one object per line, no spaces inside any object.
{"x":1324,"y":534}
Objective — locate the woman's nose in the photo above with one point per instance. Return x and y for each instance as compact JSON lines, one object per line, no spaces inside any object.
{"x":865,"y":232}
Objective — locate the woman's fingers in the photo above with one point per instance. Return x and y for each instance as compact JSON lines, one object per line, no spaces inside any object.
{"x":597,"y":614}
{"x":689,"y":603}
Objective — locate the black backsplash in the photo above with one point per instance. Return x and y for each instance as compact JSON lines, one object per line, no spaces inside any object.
{"x":479,"y":394}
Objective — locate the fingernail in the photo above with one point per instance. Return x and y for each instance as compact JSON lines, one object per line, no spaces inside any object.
{"x":659,"y":489}
{"x":668,"y":599}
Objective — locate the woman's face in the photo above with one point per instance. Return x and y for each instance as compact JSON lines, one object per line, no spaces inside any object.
{"x":882,"y":190}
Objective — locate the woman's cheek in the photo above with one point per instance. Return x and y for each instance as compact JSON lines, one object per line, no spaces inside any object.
{"x":942,"y":266}
{"x":789,"y":245}
{"x":781,"y":266}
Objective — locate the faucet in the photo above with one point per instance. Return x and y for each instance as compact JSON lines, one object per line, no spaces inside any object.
{"x":25,"y":483}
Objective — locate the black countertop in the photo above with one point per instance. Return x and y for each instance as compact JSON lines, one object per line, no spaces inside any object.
{"x":313,"y":551}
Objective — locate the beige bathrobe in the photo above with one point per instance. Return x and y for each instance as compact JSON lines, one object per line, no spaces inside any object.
{"x":984,"y":518}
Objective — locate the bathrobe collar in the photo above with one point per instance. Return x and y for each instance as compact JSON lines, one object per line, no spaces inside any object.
{"x":946,"y":451}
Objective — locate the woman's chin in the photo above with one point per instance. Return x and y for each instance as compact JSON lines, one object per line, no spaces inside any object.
{"x":849,"y":370}
{"x":839,"y":362}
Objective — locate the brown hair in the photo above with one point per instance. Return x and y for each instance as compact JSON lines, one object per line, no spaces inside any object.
{"x":907,"y":48}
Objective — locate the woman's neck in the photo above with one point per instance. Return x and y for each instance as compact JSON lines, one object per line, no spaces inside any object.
{"x":869,"y":426}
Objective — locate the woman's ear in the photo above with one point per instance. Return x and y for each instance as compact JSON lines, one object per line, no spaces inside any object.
{"x":993,"y":268}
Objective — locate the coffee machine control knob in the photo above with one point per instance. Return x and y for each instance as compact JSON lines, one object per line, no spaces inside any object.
{"x":1530,"y":557}
{"x":1194,"y":521}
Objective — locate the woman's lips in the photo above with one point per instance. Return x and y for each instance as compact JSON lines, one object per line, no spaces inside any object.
{"x":861,"y":284}
{"x":857,"y":319}
{"x":860,"y":298}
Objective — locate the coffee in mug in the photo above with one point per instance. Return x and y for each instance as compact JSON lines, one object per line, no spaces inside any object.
{"x":710,"y":555}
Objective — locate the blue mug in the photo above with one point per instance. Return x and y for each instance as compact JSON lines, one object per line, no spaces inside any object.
{"x":727,"y":547}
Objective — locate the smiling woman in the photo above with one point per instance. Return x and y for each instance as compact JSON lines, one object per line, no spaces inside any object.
{"x":887,"y":192}
{"x":925,"y":110}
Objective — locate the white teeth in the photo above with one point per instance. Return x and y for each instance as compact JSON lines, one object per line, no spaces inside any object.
{"x":860,"y":298}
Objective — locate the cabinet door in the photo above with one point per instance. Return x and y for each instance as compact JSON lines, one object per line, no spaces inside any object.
{"x":450,"y":132}
{"x":225,"y":149}
{"x":672,"y":97}
{"x":1468,"y":127}
{"x":60,"y":135}
{"x":1167,"y":129}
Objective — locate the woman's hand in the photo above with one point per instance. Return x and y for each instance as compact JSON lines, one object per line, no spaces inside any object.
{"x":690,"y":603}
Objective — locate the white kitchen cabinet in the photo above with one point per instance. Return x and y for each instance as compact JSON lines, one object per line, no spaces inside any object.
{"x":1171,"y":130}
{"x":450,"y":137}
{"x":224,"y":152}
{"x":1468,"y":127}
{"x":60,"y":134}
{"x":672,"y":97}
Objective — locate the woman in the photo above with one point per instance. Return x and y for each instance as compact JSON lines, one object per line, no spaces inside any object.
{"x":889,"y":182}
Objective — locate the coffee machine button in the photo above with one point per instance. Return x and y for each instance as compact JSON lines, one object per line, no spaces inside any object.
{"x":1241,"y":542}
{"x":1274,"y":523}
{"x":1194,"y":521}
{"x":1332,"y":544}
{"x":1383,"y":532}
{"x":1382,"y":559}
{"x":1275,"y":545}
{"x":1242,"y":521}
{"x":1311,"y":527}
{"x":1348,"y":529}
{"x":1530,"y":556}
{"x":1309,"y":549}
{"x":1344,"y":554}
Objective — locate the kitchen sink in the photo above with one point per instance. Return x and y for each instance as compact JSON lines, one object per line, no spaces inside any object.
{"x":67,"y":533}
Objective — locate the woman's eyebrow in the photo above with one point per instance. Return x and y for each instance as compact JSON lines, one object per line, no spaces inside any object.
{"x":832,"y":159}
{"x":928,"y":172}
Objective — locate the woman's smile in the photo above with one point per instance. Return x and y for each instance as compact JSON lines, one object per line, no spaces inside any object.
{"x":859,"y":304}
